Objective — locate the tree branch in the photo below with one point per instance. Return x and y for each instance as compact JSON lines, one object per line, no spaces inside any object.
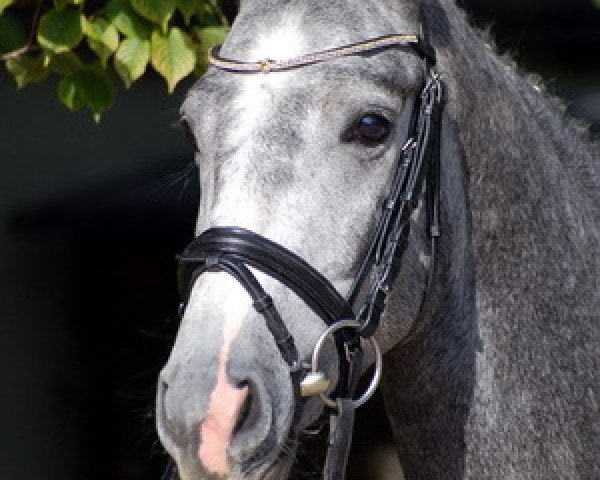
{"x":29,"y":46}
{"x":19,"y":52}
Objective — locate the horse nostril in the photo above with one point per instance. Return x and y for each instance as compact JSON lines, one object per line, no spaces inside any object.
{"x":242,"y":384}
{"x":163,"y":388}
{"x":166,"y":428}
{"x":244,"y":420}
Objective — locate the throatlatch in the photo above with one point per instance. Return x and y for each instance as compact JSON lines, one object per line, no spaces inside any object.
{"x":355,"y":318}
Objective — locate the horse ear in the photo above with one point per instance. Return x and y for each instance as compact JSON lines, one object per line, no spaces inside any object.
{"x":434,"y":26}
{"x":423,"y":26}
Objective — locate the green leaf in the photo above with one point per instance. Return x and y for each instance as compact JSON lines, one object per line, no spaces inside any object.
{"x":157,"y":11}
{"x":172,"y":55}
{"x":210,"y":36}
{"x":4,"y":4}
{"x":203,"y":39}
{"x":209,"y":14}
{"x":90,"y":87}
{"x":12,"y":33}
{"x":60,"y":30}
{"x":102,"y":38}
{"x":65,"y":63}
{"x":126,"y":20}
{"x":187,"y":8}
{"x":131,"y":59}
{"x":60,"y":4}
{"x":27,"y":69}
{"x":69,"y":93}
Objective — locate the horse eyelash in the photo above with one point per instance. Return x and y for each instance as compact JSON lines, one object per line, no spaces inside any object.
{"x":184,"y":125}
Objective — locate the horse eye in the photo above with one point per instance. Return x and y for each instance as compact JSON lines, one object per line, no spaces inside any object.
{"x":372,"y":129}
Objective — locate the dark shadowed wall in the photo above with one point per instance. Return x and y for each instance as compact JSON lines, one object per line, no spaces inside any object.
{"x":91,"y":217}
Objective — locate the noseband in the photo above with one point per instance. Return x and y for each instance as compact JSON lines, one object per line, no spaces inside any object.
{"x":354,"y":317}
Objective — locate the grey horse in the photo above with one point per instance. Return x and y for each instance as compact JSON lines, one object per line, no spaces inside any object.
{"x":501,"y":378}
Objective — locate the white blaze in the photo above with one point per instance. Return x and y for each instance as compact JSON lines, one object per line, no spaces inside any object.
{"x":253,"y":104}
{"x":255,"y":101}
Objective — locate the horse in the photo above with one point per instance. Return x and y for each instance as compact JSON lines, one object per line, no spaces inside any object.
{"x":489,"y":335}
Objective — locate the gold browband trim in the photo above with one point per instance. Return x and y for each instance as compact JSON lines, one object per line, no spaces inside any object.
{"x":268,"y":65}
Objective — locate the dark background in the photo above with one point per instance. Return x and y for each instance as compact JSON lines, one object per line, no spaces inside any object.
{"x":90,"y":220}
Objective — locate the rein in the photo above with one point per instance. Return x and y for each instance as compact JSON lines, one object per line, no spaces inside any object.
{"x":354,"y":318}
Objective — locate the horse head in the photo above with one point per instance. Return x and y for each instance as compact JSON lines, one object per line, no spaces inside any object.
{"x":304,"y":157}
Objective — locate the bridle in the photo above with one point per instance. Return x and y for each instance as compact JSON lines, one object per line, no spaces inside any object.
{"x":354,"y":317}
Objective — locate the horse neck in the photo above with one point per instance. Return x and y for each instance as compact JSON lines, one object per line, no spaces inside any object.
{"x":533,"y":189}
{"x":428,"y":382}
{"x":533,"y":172}
{"x":518,"y":263}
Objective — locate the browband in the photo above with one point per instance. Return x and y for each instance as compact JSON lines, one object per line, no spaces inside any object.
{"x":267,"y":65}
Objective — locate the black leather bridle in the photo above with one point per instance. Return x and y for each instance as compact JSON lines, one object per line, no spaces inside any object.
{"x":234,"y":250}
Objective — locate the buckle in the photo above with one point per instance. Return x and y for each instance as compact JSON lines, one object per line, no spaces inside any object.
{"x":378,"y":362}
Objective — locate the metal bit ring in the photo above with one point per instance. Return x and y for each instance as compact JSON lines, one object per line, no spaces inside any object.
{"x":314,"y":365}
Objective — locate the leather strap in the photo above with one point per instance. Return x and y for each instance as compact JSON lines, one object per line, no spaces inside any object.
{"x":341,"y":425}
{"x":251,"y":249}
{"x":232,"y":249}
{"x":266,"y":65}
{"x":418,"y":159}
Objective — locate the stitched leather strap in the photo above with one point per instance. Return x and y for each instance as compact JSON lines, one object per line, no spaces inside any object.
{"x":232,"y":250}
{"x":341,"y":425}
{"x":249,"y":248}
{"x":267,"y":65}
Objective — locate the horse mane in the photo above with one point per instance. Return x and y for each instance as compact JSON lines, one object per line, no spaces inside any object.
{"x":534,"y":172}
{"x":522,"y":327}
